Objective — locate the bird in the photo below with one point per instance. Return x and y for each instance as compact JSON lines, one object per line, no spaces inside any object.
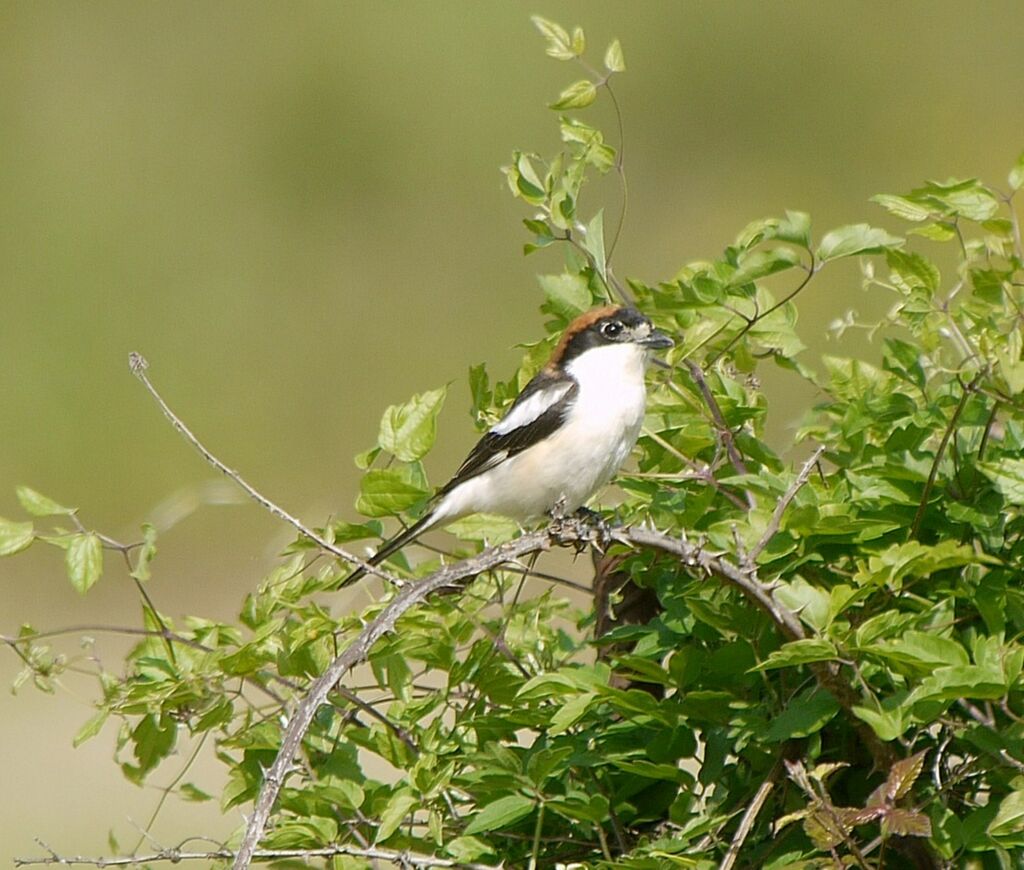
{"x":565,"y":435}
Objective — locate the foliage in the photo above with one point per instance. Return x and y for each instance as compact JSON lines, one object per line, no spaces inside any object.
{"x":503,"y":727}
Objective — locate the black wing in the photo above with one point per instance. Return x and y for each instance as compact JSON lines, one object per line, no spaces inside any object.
{"x":511,"y":435}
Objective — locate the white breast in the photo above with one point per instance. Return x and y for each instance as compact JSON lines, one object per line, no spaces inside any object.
{"x":580,"y":457}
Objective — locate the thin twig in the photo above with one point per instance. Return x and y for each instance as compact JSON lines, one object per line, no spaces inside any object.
{"x":724,"y":432}
{"x":700,"y":472}
{"x":812,"y":270}
{"x":747,"y":822}
{"x":915,"y":527}
{"x":780,"y":508}
{"x":138,"y":365}
{"x":374,"y":713}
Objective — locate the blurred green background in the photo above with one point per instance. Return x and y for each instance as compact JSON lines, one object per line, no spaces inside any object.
{"x":295,"y":212}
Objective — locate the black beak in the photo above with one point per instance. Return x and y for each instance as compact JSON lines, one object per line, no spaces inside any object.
{"x":657,"y":339}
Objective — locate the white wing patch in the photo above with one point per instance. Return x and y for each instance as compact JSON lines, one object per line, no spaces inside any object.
{"x":531,"y":408}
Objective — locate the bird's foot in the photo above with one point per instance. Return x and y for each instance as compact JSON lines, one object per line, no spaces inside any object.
{"x":581,"y":528}
{"x":597,"y":529}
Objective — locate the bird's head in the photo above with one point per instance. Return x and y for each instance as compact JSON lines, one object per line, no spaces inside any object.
{"x":610,"y":326}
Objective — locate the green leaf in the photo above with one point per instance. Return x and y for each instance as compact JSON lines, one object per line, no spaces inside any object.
{"x":567,"y":295}
{"x":398,"y":807}
{"x":571,"y":712}
{"x":796,"y":229}
{"x":799,"y":652}
{"x":385,"y":492}
{"x":578,"y":95}
{"x":559,"y":45}
{"x":466,"y":849}
{"x":761,"y":263}
{"x":593,"y":243}
{"x":408,"y":431}
{"x":152,"y":739}
{"x":193,"y":793}
{"x":804,"y":715}
{"x":524,"y":181}
{"x":613,"y":59}
{"x":967,"y":198}
{"x":579,"y":41}
{"x":145,"y":553}
{"x":39,"y":505}
{"x":887,"y":724}
{"x":809,"y":603}
{"x":937,"y":232}
{"x":1008,"y":476}
{"x":501,"y":813}
{"x":1016,"y":176}
{"x":1009,"y":819}
{"x":926,"y":650}
{"x":84,"y":561}
{"x":911,"y":271}
{"x":91,"y":728}
{"x":14,"y":537}
{"x":902,"y":207}
{"x":855,"y":239}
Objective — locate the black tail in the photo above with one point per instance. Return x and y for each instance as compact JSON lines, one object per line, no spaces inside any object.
{"x":391,"y":547}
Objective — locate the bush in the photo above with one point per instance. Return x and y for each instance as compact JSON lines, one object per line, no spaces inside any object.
{"x":786,"y":665}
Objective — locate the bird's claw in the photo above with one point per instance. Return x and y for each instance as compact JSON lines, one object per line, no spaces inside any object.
{"x":579,"y":529}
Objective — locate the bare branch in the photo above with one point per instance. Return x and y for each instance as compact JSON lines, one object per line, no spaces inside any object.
{"x":747,"y":822}
{"x":400,"y":859}
{"x":138,"y":365}
{"x":780,"y":508}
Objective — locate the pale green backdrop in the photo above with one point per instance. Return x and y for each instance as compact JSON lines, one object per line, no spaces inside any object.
{"x":295,"y":211}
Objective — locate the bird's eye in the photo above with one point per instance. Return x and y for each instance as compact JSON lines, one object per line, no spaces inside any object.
{"x":611,"y":329}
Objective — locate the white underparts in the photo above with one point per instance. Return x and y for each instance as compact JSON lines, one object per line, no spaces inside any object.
{"x":577,"y":459}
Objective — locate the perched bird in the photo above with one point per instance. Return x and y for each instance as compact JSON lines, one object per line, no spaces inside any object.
{"x":565,"y":435}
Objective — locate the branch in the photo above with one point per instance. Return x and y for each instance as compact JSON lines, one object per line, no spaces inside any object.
{"x":695,"y":556}
{"x":747,"y":822}
{"x":915,"y":527}
{"x":401,"y":859}
{"x":138,"y":365}
{"x":780,"y":508}
{"x":563,"y":532}
{"x":724,"y":432}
